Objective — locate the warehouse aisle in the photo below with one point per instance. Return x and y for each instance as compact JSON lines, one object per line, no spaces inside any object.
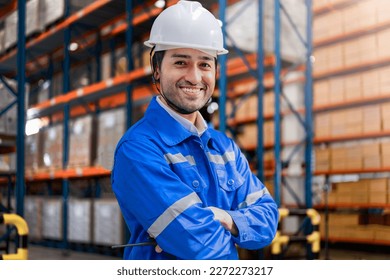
{"x":45,"y":253}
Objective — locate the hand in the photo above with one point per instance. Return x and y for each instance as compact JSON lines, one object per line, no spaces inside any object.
{"x":225,"y":219}
{"x":158,"y":249}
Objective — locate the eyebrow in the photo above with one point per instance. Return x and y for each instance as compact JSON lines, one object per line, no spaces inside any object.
{"x":177,"y":55}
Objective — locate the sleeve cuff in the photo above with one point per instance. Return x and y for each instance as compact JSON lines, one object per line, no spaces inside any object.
{"x":241,"y":223}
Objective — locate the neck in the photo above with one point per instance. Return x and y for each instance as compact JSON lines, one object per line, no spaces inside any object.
{"x":188,"y":116}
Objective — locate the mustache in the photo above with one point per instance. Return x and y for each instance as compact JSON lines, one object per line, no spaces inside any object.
{"x":189,"y":84}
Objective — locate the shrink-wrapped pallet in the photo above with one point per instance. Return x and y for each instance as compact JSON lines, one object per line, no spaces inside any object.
{"x":32,"y":152}
{"x":33,"y":20}
{"x":34,"y":216}
{"x":244,"y":16}
{"x":81,"y":146}
{"x":111,"y":126}
{"x":52,"y":219}
{"x":52,"y":151}
{"x":52,"y":11}
{"x":2,"y":35}
{"x":108,"y":222}
{"x":80,"y":220}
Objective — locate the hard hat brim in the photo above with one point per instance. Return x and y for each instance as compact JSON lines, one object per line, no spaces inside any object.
{"x":175,"y":45}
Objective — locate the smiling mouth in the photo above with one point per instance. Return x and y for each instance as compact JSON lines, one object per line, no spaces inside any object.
{"x":191,"y":90}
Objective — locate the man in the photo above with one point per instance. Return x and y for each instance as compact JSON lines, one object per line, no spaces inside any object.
{"x":179,"y":183}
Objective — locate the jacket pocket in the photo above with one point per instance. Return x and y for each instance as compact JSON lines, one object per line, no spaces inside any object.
{"x":228,"y":178}
{"x":191,"y":177}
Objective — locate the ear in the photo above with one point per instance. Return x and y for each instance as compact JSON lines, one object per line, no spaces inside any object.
{"x":156,"y":74}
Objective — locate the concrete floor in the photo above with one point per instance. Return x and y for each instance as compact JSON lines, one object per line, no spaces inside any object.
{"x":343,"y":252}
{"x":36,"y":252}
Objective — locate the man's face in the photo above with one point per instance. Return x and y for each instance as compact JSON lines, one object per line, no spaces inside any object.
{"x":187,"y":78}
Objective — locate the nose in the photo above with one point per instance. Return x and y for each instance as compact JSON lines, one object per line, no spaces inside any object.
{"x":194,"y":75}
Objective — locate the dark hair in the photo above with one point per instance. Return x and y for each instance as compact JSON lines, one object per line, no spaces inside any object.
{"x":156,"y":60}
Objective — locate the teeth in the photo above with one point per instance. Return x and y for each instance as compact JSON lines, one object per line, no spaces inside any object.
{"x":191,"y":90}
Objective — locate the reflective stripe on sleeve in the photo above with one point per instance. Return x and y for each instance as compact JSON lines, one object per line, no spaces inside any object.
{"x":171,"y":213}
{"x":252,"y":198}
{"x":221,"y":159}
{"x":179,"y":158}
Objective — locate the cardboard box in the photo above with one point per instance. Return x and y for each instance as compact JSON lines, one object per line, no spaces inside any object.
{"x":383,"y":39}
{"x":368,"y":48}
{"x":321,"y":93}
{"x":343,"y":219}
{"x":353,"y":87}
{"x":321,"y":62}
{"x":378,"y":185}
{"x":269,"y":133}
{"x":385,"y":161}
{"x":382,"y":233}
{"x":351,"y":16}
{"x":361,"y":233}
{"x":354,"y":121}
{"x":372,"y":119}
{"x":377,"y":197}
{"x":322,"y":159}
{"x":335,"y":56}
{"x":322,"y":123}
{"x":385,"y":113}
{"x":367,"y":14}
{"x":371,"y":149}
{"x":336,"y":89}
{"x":384,"y":80}
{"x":372,"y":162}
{"x":354,"y":158}
{"x":385,"y":148}
{"x":338,"y":123}
{"x":351,"y":53}
{"x":359,"y":197}
{"x":370,"y":83}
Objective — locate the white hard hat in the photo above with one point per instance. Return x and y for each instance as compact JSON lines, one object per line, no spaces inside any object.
{"x":187,"y":25}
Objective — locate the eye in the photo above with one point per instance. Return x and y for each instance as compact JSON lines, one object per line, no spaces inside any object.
{"x":205,"y":65}
{"x":180,"y":62}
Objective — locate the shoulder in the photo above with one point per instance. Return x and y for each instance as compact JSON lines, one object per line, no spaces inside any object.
{"x":221,"y":138}
{"x":141,"y":136}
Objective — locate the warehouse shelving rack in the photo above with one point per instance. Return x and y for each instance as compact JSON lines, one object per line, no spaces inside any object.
{"x":91,"y":17}
{"x":273,"y":79}
{"x":352,"y":103}
{"x":20,"y":101}
{"x":7,"y":145}
{"x":6,"y":6}
{"x":264,"y":78}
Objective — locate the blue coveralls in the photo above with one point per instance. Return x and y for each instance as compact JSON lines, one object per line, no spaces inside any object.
{"x":164,"y":177}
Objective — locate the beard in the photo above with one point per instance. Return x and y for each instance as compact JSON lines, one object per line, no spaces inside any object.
{"x":182,"y":103}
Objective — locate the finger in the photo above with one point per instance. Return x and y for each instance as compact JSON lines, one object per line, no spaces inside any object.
{"x":158,"y":249}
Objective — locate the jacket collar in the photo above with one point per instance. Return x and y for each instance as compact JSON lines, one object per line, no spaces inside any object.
{"x":170,"y":131}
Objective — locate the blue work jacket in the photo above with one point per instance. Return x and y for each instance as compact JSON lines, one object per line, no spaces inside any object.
{"x":164,"y":178}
